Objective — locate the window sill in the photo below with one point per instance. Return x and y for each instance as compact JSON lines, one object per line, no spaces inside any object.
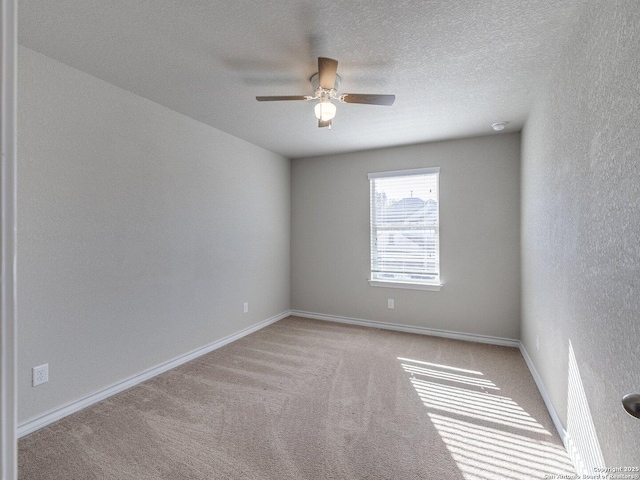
{"x":409,"y":286}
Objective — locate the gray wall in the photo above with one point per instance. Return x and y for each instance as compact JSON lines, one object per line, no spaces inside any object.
{"x":479,"y":214}
{"x":141,"y":233}
{"x":581,"y":223}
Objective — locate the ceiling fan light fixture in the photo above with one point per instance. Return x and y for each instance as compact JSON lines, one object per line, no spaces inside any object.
{"x":325,"y":111}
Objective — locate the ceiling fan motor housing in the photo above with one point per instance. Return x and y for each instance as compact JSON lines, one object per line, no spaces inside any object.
{"x":323,"y":93}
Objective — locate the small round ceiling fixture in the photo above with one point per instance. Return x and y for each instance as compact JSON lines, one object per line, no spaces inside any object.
{"x":499,"y":126}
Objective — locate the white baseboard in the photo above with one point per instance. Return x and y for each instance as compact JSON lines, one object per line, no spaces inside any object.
{"x":574,"y":456}
{"x":567,"y":440}
{"x":469,"y":337}
{"x":545,"y":397}
{"x":47,"y":418}
{"x":56,"y":414}
{"x":508,"y":342}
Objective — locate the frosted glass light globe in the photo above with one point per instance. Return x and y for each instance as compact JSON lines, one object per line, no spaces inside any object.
{"x":325,"y":111}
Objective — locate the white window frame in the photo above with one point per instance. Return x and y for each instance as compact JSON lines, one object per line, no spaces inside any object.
{"x":374,"y":281}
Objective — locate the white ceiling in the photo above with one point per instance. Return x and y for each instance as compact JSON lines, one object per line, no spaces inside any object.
{"x":455,"y":66}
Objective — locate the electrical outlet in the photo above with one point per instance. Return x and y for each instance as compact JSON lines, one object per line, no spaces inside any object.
{"x":390,"y":303}
{"x":246,"y":307}
{"x":537,"y":343}
{"x":40,"y":374}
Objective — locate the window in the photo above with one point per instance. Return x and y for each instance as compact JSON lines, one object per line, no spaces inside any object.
{"x":405,"y":250}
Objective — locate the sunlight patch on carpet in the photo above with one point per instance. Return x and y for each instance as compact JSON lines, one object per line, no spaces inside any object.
{"x":488,"y":435}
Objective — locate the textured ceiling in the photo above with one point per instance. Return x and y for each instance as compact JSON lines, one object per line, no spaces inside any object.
{"x":455,"y":66}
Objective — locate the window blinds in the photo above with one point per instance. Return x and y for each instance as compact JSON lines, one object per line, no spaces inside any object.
{"x":404,"y":226}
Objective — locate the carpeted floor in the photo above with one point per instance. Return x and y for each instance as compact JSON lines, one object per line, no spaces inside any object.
{"x":304,"y":399}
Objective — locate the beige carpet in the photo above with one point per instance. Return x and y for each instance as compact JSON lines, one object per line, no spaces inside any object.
{"x":304,"y":399}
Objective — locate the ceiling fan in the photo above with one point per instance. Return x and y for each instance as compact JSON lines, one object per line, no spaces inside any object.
{"x":325,"y":85}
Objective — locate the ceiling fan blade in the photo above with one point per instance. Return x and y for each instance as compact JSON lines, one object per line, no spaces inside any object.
{"x":369,"y":99}
{"x":285,"y":97}
{"x":327,"y":68}
{"x":326,"y":123}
